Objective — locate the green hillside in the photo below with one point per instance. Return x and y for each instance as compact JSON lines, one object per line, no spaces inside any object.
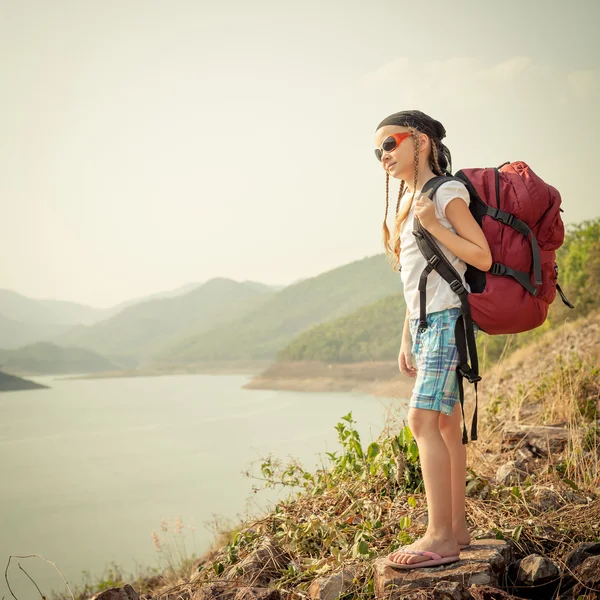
{"x":355,"y":338}
{"x":371,"y":333}
{"x":143,"y":329}
{"x":262,"y":332}
{"x":11,"y":383}
{"x":45,"y":358}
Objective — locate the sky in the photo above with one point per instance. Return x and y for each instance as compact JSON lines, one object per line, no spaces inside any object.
{"x":148,"y":144}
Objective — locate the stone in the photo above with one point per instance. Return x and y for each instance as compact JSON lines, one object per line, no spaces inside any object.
{"x":580,"y":553}
{"x":450,"y":590}
{"x":260,"y":566}
{"x":216,"y":591}
{"x":510,"y":474}
{"x":252,"y":593}
{"x":485,"y":592}
{"x":545,"y":499}
{"x":483,"y":563}
{"x":536,"y":570}
{"x":333,"y":586}
{"x":539,"y":438}
{"x":535,"y":577}
{"x":124,"y":593}
{"x":574,"y":562}
{"x":587,"y":576}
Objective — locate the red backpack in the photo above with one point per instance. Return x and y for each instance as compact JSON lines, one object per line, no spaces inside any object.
{"x":520,"y":216}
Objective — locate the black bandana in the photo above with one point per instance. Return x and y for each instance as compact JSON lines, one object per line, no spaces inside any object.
{"x":417,"y":119}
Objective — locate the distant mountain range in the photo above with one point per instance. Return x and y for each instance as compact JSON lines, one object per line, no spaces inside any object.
{"x":264,"y":330}
{"x":220,"y":320}
{"x":47,"y":358}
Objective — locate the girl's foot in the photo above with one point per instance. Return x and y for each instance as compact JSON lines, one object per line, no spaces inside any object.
{"x":462,"y":535}
{"x":443,"y":546}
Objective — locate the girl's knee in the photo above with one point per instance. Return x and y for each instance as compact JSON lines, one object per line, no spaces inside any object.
{"x":421,"y":421}
{"x":449,"y":425}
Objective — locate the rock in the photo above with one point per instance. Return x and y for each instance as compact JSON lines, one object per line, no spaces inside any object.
{"x":251,"y":593}
{"x":332,"y":587}
{"x":581,"y":553}
{"x":485,"y":592}
{"x":587,"y":575}
{"x":216,"y":591}
{"x":539,"y":438}
{"x":510,"y":474}
{"x":124,"y":593}
{"x":574,"y":562}
{"x":524,"y":456}
{"x":536,"y":570}
{"x":545,"y":499}
{"x":483,"y":563}
{"x":260,"y":566}
{"x":534,"y":576}
{"x":450,"y":590}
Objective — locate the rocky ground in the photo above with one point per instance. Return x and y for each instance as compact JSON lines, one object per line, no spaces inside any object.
{"x":533,"y":503}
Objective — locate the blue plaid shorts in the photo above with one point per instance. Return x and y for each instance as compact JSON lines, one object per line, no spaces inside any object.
{"x":434,"y":349}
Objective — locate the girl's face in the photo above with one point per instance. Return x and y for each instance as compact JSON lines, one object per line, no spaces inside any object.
{"x":399,"y":162}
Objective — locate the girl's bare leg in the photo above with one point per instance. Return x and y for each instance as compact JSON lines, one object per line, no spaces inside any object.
{"x":450,"y":429}
{"x":436,"y":467}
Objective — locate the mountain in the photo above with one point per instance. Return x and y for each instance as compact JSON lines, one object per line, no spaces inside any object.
{"x":47,"y":312}
{"x":11,"y":383}
{"x":266,"y":329}
{"x":372,"y":333}
{"x":45,"y":358}
{"x":145,"y":328}
{"x":15,"y":333}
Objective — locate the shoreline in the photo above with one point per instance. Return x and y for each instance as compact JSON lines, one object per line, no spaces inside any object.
{"x":380,"y":379}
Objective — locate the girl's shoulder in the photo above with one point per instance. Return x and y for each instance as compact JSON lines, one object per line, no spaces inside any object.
{"x":448,"y":191}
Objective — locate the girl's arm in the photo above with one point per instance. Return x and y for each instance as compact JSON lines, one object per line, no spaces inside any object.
{"x":468,"y":243}
{"x":405,"y":355}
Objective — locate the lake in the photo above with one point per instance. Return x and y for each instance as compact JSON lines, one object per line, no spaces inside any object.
{"x":90,"y":468}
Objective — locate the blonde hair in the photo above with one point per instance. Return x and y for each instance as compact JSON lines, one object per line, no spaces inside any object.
{"x":392,"y":248}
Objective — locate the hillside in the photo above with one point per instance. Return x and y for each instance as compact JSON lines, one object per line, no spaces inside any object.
{"x":262,"y":332}
{"x":143,"y":329}
{"x":49,"y":312}
{"x":11,"y":383}
{"x":369,"y":333}
{"x":45,"y":358}
{"x":14,"y":334}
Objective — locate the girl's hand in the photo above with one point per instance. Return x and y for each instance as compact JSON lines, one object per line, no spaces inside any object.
{"x":405,"y":361}
{"x":425,"y":211}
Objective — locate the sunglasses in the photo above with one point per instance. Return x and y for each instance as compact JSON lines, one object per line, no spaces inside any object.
{"x":391,"y":143}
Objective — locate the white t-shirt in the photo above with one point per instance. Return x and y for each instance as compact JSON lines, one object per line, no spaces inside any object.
{"x":439,"y":294}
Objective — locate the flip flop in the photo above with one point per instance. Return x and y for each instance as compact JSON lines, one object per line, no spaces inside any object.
{"x":434,"y":560}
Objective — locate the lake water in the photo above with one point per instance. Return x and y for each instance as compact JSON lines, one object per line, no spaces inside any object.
{"x":89,"y":468}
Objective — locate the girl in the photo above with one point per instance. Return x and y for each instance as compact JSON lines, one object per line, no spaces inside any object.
{"x":409,"y":146}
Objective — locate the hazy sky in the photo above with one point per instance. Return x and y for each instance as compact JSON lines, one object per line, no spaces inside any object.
{"x":147,"y":144}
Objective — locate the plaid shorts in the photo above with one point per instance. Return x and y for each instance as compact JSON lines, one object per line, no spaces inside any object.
{"x":436,"y":355}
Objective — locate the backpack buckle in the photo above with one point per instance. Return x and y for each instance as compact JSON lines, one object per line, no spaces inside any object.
{"x":467,"y":372}
{"x":457,"y":287}
{"x":498,"y":269}
{"x":434,"y":260}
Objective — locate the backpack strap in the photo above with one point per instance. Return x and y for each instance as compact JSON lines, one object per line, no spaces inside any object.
{"x":464,"y":332}
{"x":522,"y":227}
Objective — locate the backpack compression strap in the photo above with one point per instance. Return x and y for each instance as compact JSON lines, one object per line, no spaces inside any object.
{"x":464,"y":332}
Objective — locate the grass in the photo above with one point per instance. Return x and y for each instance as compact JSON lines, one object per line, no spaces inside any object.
{"x":366,"y":501}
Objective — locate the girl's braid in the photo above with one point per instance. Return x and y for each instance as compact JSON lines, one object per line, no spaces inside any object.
{"x":435,"y":159}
